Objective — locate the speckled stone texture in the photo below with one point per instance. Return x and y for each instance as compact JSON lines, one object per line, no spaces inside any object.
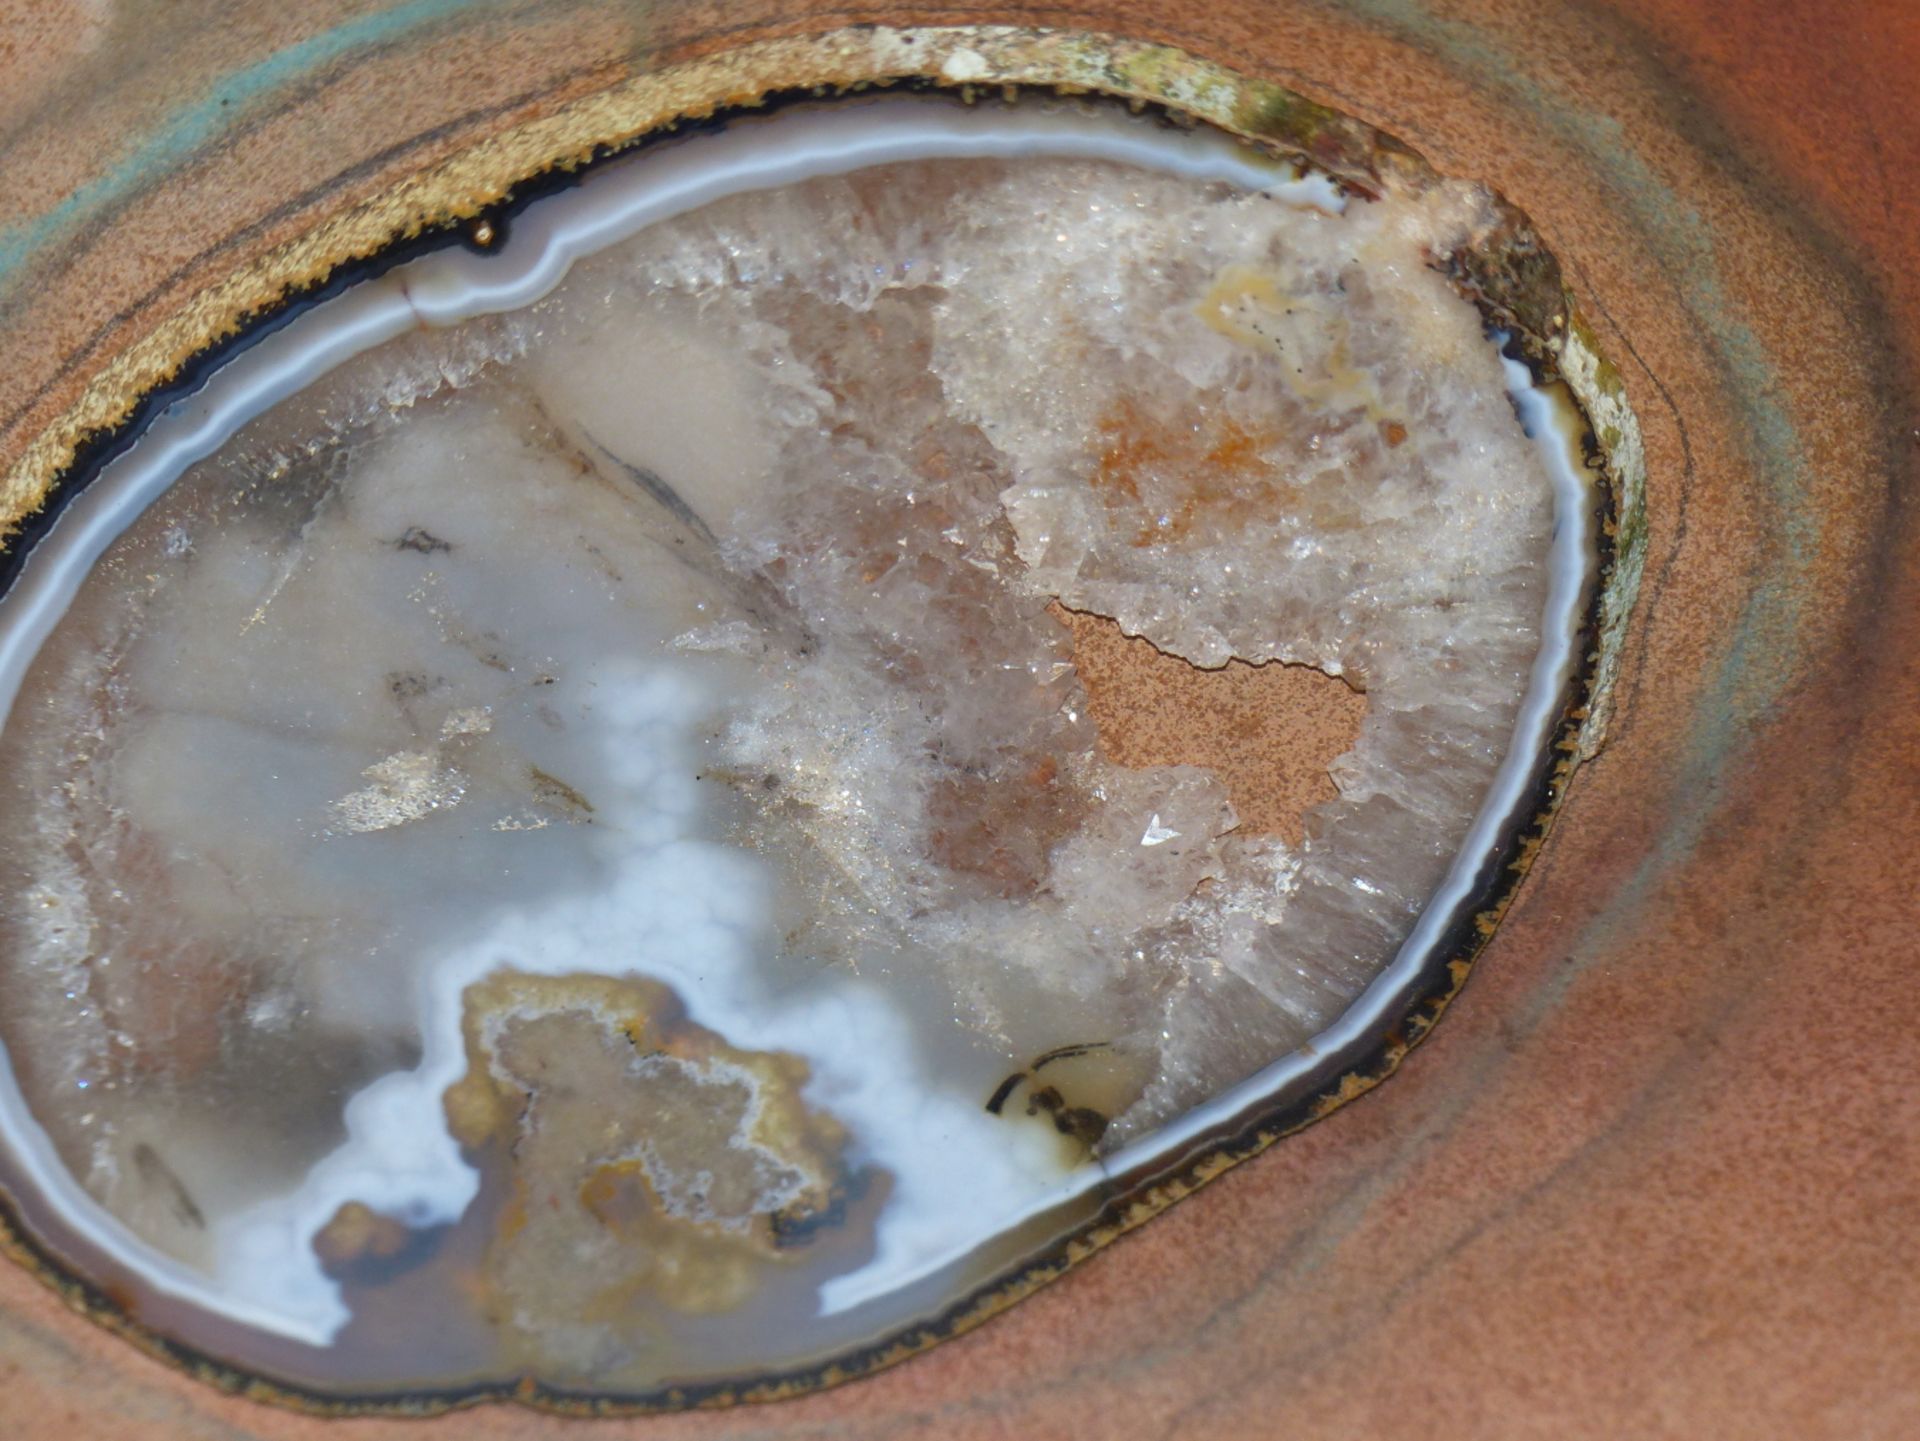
{"x":1654,"y":1173}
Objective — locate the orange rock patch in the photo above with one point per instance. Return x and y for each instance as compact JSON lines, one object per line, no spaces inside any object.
{"x":1269,"y":731}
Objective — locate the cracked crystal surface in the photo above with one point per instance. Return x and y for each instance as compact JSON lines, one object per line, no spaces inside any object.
{"x":577,"y":814}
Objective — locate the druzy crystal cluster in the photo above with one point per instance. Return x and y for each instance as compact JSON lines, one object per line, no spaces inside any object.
{"x":613,"y":790}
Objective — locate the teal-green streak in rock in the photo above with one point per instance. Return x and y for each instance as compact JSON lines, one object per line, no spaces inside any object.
{"x":188,"y":131}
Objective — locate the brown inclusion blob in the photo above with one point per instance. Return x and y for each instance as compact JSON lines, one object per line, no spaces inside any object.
{"x":1211,"y":466}
{"x":650,"y":1165}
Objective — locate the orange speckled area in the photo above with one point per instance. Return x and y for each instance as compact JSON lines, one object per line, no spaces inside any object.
{"x":1654,"y":1174}
{"x":1268,"y":731}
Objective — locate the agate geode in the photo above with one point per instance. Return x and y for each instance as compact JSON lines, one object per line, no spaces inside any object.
{"x":681,"y":828}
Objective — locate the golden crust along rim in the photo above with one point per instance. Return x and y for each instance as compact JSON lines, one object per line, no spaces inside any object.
{"x":968,"y":59}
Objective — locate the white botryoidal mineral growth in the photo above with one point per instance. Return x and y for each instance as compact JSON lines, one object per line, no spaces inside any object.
{"x":694,"y":624}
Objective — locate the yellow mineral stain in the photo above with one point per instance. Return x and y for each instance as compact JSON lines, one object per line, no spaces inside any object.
{"x":1306,"y":333}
